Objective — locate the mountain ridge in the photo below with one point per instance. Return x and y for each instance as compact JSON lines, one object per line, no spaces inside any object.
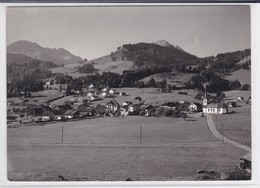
{"x":36,"y":51}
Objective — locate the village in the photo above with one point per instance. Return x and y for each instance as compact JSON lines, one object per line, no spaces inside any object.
{"x":92,"y":103}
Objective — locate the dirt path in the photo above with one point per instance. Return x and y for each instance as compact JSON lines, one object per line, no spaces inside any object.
{"x":215,"y":132}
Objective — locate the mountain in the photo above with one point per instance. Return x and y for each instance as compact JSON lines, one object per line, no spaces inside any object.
{"x":148,"y":55}
{"x":13,"y":58}
{"x":34,"y":50}
{"x":166,"y":44}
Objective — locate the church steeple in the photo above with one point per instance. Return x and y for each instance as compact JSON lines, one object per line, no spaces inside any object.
{"x":205,"y":101}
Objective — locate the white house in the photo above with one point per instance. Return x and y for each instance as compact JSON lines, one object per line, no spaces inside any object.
{"x":111,"y":91}
{"x":193,"y":107}
{"x":113,"y":105}
{"x":103,"y":94}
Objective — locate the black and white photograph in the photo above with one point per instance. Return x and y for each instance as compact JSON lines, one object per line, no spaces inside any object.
{"x":128,"y":93}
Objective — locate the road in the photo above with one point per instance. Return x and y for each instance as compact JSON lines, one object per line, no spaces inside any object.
{"x":215,"y":132}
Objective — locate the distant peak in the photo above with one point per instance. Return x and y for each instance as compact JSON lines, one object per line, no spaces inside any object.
{"x":163,"y":43}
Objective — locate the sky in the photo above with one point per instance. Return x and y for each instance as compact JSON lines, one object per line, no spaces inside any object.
{"x":92,"y":32}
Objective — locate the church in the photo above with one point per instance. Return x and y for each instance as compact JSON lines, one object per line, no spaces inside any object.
{"x":214,"y":108}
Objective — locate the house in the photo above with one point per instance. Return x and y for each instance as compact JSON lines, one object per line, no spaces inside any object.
{"x":57,"y":115}
{"x":232,"y":104}
{"x":248,"y":100}
{"x":74,"y":99}
{"x":105,"y":89}
{"x":127,"y":103}
{"x":36,"y":111}
{"x":89,"y":94}
{"x":11,"y":118}
{"x":113,"y":105}
{"x":71,"y":114}
{"x":103,"y":94}
{"x":149,"y":109}
{"x":85,"y":111}
{"x":90,"y":86}
{"x":134,"y":109}
{"x":245,"y":162}
{"x":122,"y":94}
{"x":91,"y":98}
{"x":193,"y":107}
{"x":138,"y":98}
{"x":239,"y":98}
{"x":111,"y":91}
{"x":181,"y":102}
{"x":99,"y":110}
{"x":168,"y":107}
{"x":46,"y":116}
{"x":124,"y":110}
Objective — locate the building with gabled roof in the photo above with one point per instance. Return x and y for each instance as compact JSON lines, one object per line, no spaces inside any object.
{"x":214,"y":108}
{"x":113,"y":105}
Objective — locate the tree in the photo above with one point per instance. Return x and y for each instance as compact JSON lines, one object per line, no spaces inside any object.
{"x":151,"y":83}
{"x":68,"y":91}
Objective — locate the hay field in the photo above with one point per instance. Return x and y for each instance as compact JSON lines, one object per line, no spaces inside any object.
{"x":109,"y":149}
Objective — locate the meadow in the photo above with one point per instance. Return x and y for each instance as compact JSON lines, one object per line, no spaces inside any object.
{"x":116,"y":149}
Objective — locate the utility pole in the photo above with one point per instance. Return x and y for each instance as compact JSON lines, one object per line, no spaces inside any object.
{"x":141,"y":132}
{"x":246,"y":141}
{"x":62,"y":134}
{"x":223,"y":134}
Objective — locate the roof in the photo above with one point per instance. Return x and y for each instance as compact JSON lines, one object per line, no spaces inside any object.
{"x":247,"y":157}
{"x":46,"y":113}
{"x":113,"y":102}
{"x":84,"y":108}
{"x":71,"y":112}
{"x":57,"y":112}
{"x":216,"y":105}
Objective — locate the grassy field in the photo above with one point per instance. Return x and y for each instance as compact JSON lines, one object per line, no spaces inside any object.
{"x":231,"y":95}
{"x":102,"y":64}
{"x":174,"y":78}
{"x":38,"y":97}
{"x":109,"y":149}
{"x":148,"y":95}
{"x":242,"y":75}
{"x":237,"y":126}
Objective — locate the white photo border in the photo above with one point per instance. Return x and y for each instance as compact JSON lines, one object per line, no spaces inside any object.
{"x":255,"y":67}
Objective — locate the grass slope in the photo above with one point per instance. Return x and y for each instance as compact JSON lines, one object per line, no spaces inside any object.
{"x":173,"y":78}
{"x":102,"y":64}
{"x":242,"y":75}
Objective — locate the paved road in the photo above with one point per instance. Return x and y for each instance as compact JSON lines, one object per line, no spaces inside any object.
{"x":215,"y":132}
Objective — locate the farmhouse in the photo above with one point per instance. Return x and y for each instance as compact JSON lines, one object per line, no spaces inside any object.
{"x":112,"y":105}
{"x":46,"y":116}
{"x":85,"y":111}
{"x":134,"y":109}
{"x":70,"y":114}
{"x":127,"y":103}
{"x":57,"y":115}
{"x":193,"y":107}
{"x":124,"y":110}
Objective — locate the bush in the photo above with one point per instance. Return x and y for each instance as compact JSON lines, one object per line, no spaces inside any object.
{"x":182,"y":93}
